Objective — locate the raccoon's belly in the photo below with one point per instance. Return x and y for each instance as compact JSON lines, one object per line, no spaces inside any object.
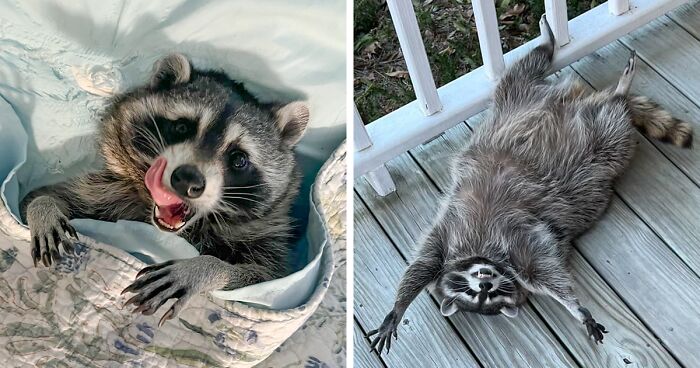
{"x":572,"y":209}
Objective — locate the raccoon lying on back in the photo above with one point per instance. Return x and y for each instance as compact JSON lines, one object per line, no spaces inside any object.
{"x":537,"y":173}
{"x":195,"y":154}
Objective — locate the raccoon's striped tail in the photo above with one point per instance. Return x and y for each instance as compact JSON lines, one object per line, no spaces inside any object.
{"x":657,"y":123}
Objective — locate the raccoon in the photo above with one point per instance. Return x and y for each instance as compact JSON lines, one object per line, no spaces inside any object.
{"x":537,"y":173}
{"x":195,"y":154}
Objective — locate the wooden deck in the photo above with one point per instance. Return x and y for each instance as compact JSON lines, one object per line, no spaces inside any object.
{"x":637,"y":270}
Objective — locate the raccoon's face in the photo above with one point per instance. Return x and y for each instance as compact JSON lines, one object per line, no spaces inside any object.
{"x":198,"y":149}
{"x":481,"y":286}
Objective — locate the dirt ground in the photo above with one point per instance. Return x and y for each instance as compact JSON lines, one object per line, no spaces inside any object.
{"x":381,"y":81}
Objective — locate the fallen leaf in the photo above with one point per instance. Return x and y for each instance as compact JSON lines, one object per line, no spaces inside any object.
{"x":371,"y":49}
{"x":518,"y":9}
{"x":398,"y":74}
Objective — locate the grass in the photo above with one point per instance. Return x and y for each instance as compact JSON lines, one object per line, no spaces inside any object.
{"x":381,"y":82}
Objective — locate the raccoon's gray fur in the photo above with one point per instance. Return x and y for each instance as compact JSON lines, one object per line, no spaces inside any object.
{"x":193,"y":153}
{"x":537,"y":173}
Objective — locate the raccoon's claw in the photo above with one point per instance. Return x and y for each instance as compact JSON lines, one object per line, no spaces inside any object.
{"x":156,"y":284}
{"x":595,"y":330}
{"x":388,"y":327}
{"x":49,"y":229}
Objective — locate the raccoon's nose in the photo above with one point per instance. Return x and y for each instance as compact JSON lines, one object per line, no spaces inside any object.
{"x":188,"y":181}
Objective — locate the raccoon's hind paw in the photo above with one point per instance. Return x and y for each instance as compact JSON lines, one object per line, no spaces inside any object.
{"x":595,"y":330}
{"x":625,"y":82}
{"x":388,"y":327}
{"x":49,"y":228}
{"x":547,"y":34}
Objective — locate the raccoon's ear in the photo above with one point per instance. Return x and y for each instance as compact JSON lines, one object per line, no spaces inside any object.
{"x":510,"y":312}
{"x":171,"y":70}
{"x":448,"y":308}
{"x":292,"y":119}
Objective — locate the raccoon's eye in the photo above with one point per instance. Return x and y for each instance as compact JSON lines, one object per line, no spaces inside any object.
{"x":239,"y":159}
{"x":182,"y":127}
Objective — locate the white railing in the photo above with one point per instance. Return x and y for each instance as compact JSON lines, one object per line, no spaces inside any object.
{"x":436,"y":110}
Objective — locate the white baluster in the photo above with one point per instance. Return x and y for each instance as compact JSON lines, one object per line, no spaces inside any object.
{"x":558,"y":20}
{"x":489,"y":37}
{"x":406,"y":26}
{"x":618,"y":7}
{"x":379,"y":178}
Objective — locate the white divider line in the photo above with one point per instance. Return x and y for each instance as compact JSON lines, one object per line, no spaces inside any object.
{"x":618,"y":7}
{"x":558,"y":20}
{"x":489,"y":37}
{"x":406,"y":25}
{"x":359,"y":131}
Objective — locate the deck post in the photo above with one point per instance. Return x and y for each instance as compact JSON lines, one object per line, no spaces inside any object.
{"x":379,"y":178}
{"x":558,"y":20}
{"x":618,"y":7}
{"x":381,"y":181}
{"x":361,"y":138}
{"x":489,"y":37}
{"x":406,"y":25}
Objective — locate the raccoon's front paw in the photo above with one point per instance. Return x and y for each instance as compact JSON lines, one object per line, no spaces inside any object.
{"x":388,"y":327}
{"x":156,"y":284}
{"x":49,"y":228}
{"x":594,"y":329}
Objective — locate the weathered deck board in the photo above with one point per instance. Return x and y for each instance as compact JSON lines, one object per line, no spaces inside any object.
{"x":688,"y":17}
{"x":378,"y":268}
{"x":495,"y":340}
{"x":629,"y":343}
{"x":649,"y":277}
{"x":671,"y":51}
{"x":653,"y":186}
{"x":363,"y":358}
{"x":629,"y":338}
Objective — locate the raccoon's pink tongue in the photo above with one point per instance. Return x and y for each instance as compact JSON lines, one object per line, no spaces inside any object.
{"x":170,"y":208}
{"x":154,"y":183}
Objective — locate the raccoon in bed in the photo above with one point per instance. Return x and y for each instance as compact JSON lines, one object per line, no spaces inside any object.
{"x":193,"y":153}
{"x":537,"y":173}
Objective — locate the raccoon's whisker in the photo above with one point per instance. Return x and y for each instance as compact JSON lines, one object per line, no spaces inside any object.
{"x":150,"y":141}
{"x":462,"y":289}
{"x":247,"y":199}
{"x":229,"y":191}
{"x":150,"y":149}
{"x":162,"y":142}
{"x":225,"y":195}
{"x":216,"y":218}
{"x":147,"y":134}
{"x":227,"y":206}
{"x":249,"y":186}
{"x":461,"y":283}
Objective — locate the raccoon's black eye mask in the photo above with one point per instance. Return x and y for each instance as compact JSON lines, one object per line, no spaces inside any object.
{"x":243,"y":184}
{"x":159,"y":130}
{"x":174,"y":132}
